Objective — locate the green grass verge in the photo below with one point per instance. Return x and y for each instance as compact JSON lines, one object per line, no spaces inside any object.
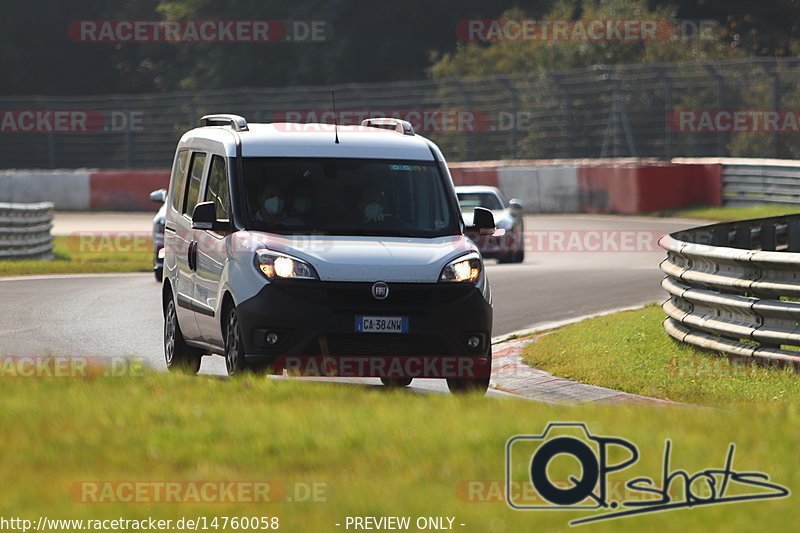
{"x":631,"y":352}
{"x":368,"y":450}
{"x":133,"y":254}
{"x":727,"y":214}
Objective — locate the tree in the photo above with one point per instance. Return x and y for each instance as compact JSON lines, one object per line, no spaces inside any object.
{"x":545,"y":53}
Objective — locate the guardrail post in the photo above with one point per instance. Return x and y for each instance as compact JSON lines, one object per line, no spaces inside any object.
{"x":743,"y":237}
{"x":793,"y":236}
{"x":768,"y":237}
{"x":720,"y":237}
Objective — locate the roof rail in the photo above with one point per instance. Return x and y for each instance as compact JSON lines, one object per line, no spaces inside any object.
{"x":235,"y":121}
{"x":387,"y":123}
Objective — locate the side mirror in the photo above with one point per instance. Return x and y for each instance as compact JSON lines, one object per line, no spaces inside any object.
{"x":159,"y":196}
{"x":204,"y":216}
{"x":515,"y":206}
{"x":482,"y":221}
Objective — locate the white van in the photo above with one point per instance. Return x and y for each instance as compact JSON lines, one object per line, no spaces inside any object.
{"x":321,"y":249}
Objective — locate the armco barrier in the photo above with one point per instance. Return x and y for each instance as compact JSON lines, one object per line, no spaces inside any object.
{"x":729,"y":286}
{"x":755,"y":182}
{"x":25,"y":231}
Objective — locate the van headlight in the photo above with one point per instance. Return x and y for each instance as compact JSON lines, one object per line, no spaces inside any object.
{"x":277,"y":265}
{"x":465,"y":268}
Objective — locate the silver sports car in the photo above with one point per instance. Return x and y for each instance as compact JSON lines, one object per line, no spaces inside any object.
{"x":506,"y":246}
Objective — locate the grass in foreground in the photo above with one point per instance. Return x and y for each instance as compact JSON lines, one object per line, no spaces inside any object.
{"x":727,"y":214}
{"x":630,"y":351}
{"x":368,"y":451}
{"x":95,"y":256}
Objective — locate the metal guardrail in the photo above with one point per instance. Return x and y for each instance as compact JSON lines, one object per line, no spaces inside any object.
{"x":25,"y":231}
{"x":735,"y":287}
{"x":759,"y":182}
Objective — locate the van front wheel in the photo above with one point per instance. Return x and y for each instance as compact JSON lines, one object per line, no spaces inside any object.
{"x":472,"y":385}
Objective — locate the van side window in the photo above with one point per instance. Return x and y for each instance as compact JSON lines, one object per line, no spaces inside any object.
{"x":217,"y":190}
{"x":195,"y":177}
{"x":179,"y":180}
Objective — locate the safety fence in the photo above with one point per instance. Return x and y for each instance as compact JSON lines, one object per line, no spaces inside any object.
{"x":734,"y":108}
{"x":735,"y":287}
{"x":25,"y":231}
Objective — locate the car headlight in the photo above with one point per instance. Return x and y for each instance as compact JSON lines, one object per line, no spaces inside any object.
{"x":277,"y":265}
{"x":466,"y":268}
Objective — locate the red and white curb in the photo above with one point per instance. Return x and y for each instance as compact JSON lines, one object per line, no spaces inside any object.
{"x":510,"y":374}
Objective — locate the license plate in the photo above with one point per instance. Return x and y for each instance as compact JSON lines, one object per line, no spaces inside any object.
{"x":382,"y":324}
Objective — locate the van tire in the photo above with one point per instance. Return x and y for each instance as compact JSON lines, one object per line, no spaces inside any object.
{"x":471,"y":385}
{"x":179,"y":356}
{"x":468,"y":385}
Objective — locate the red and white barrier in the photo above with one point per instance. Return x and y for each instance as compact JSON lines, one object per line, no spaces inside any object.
{"x":125,"y":190}
{"x":583,"y":186}
{"x":83,"y":190}
{"x":598,"y":186}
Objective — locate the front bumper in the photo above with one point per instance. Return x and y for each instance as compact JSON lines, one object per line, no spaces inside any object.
{"x":317,"y":320}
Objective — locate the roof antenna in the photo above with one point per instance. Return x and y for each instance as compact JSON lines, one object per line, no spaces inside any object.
{"x":335,"y":120}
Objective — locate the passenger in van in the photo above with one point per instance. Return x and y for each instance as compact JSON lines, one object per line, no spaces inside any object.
{"x":370,"y":205}
{"x":272,"y":205}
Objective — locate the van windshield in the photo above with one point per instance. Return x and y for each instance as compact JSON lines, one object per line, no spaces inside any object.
{"x":347,"y":197}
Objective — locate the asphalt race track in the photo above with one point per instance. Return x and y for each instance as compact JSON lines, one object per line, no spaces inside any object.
{"x":119,"y":315}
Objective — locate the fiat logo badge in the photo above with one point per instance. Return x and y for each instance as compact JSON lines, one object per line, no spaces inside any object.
{"x":380,"y":290}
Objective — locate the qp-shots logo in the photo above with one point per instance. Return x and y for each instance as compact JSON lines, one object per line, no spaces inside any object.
{"x":568,"y":468}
